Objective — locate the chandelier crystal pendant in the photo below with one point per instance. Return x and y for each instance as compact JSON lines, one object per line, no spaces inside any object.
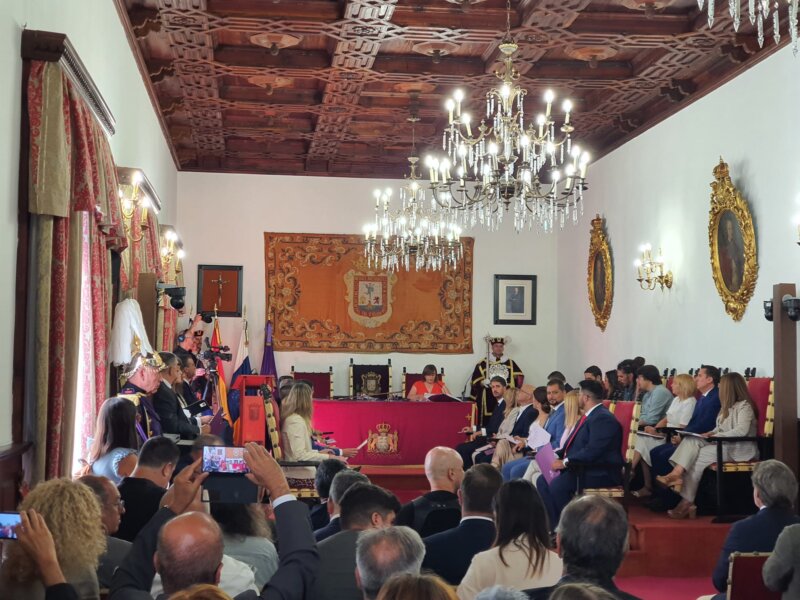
{"x":535,"y":172}
{"x":758,"y":11}
{"x":419,"y":234}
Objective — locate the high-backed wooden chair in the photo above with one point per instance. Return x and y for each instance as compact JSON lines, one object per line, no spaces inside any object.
{"x":745,"y":581}
{"x":321,"y":382}
{"x":409,"y":379}
{"x":371,"y":380}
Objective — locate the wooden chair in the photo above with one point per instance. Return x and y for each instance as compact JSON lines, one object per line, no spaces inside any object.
{"x":762,"y":391}
{"x":371,"y":380}
{"x":321,"y":382}
{"x":745,"y":581}
{"x":409,"y":379}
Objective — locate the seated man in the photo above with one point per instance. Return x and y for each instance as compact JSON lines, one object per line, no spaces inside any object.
{"x":774,"y":493}
{"x":364,"y":506}
{"x":326,"y":471}
{"x":382,"y":553}
{"x":449,"y":553}
{"x":657,"y":397}
{"x":439,"y":509}
{"x":593,"y":372}
{"x":112,"y":509}
{"x":497,"y":387}
{"x":592,"y":540}
{"x":553,"y":395}
{"x":560,"y":377}
{"x":142,"y":491}
{"x":187,"y":549}
{"x":170,"y":407}
{"x":597,"y":438}
{"x":504,"y":450}
{"x":342,"y":482}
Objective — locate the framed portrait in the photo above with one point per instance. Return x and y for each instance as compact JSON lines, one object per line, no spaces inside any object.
{"x":219,"y":287}
{"x":600,"y":275}
{"x":732,"y":244}
{"x":515,"y":299}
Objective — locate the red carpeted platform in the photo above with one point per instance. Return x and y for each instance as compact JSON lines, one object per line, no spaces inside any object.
{"x":666,"y":588}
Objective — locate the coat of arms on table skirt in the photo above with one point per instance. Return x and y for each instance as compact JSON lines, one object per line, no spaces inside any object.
{"x":383,"y":441}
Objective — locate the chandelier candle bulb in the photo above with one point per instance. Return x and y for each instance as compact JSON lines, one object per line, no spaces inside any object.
{"x":450,"y":106}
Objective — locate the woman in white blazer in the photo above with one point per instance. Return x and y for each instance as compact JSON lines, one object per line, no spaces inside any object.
{"x":737,"y":418}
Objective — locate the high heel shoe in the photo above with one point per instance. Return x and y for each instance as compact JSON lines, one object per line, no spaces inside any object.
{"x":683,"y":511}
{"x":671,"y":481}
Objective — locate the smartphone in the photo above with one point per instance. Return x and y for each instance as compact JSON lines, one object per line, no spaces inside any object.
{"x":224,"y":459}
{"x":8,"y":521}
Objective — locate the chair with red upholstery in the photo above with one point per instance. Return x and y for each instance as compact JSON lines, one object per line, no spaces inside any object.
{"x":409,"y":379}
{"x":321,"y":382}
{"x":745,"y":581}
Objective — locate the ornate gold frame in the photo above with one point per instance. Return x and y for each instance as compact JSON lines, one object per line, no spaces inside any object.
{"x":725,"y":197}
{"x":598,"y":244}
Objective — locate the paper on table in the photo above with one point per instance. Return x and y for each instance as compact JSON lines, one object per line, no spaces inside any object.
{"x":537,"y":436}
{"x":689,"y":433}
{"x":656,"y":436}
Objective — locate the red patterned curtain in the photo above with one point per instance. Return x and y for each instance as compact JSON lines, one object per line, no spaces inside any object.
{"x":144,"y":252}
{"x":75,"y":222}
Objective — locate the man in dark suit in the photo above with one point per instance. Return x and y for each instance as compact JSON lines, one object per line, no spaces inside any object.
{"x":169,"y":407}
{"x":526,"y":415}
{"x":774,"y":493}
{"x":187,"y":549}
{"x":326,"y":471}
{"x":364,"y":506}
{"x":439,"y":509}
{"x":592,"y":540}
{"x":497,"y":386}
{"x":449,"y":553}
{"x":342,"y":482}
{"x":596,"y":439}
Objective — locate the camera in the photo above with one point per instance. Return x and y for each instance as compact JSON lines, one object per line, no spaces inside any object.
{"x":768,"y":310}
{"x":216,"y":352}
{"x":792,"y":306}
{"x":177,"y":295}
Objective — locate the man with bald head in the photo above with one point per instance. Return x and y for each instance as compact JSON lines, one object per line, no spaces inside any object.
{"x":189,"y":551}
{"x":439,"y":509}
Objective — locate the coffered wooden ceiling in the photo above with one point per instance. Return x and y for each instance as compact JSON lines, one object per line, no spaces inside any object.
{"x":333,"y":94}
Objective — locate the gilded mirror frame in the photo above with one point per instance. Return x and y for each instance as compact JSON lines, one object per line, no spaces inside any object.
{"x":735,"y":266}
{"x":600,"y":284}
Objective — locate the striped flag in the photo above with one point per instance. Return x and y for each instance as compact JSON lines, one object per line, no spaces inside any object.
{"x":222,"y":390}
{"x":242,"y":356}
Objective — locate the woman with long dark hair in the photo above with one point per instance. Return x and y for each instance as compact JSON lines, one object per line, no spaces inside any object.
{"x":115,"y":444}
{"x":521,"y":556}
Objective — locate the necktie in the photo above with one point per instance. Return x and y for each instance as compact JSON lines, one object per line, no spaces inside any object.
{"x":574,"y":433}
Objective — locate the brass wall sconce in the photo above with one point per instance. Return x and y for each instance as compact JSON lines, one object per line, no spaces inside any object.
{"x":651,"y":272}
{"x":172,"y":251}
{"x":136,"y":193}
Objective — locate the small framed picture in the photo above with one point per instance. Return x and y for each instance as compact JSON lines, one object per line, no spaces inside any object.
{"x":515,"y":299}
{"x":219,"y":287}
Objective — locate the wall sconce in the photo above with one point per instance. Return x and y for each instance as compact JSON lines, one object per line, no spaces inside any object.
{"x":651,"y":272}
{"x":136,"y":193}
{"x":171,"y":249}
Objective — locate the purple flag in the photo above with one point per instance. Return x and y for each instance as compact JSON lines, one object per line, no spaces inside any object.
{"x":268,"y":362}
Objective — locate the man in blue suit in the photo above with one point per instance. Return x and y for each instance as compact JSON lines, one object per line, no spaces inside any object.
{"x":774,"y":493}
{"x":597,"y":439}
{"x":704,"y":419}
{"x":449,"y":553}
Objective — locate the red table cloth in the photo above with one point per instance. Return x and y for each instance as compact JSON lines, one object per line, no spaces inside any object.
{"x":399,"y":433}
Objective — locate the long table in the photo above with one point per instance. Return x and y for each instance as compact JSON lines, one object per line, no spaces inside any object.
{"x":399,"y":433}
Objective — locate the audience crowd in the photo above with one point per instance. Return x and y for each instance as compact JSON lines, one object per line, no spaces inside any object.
{"x":498,"y":522}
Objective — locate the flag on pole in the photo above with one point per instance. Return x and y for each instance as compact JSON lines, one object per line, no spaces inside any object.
{"x":222,"y":390}
{"x":268,"y":362}
{"x":242,"y":363}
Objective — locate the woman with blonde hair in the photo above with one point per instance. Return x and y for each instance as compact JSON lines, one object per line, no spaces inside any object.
{"x":678,"y":416}
{"x":72,"y":514}
{"x":511,"y":408}
{"x":416,"y":587}
{"x":296,"y":435}
{"x":572,"y":414}
{"x":737,"y":418}
{"x":201,"y":591}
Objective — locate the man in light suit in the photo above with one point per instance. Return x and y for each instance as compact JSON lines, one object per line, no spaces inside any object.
{"x":187,"y":549}
{"x":364,"y":506}
{"x":774,"y":493}
{"x":342,"y":482}
{"x":596,"y":439}
{"x":449,"y":553}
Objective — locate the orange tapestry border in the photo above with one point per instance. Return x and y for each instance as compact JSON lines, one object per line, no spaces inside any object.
{"x":323,"y":297}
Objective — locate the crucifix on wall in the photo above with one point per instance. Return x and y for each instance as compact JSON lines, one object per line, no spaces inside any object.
{"x":221,"y":287}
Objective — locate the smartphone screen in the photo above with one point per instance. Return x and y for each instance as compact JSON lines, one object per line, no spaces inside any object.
{"x":8,"y":521}
{"x":224,"y":459}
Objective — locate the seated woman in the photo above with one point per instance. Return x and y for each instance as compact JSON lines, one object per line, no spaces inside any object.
{"x":509,"y":453}
{"x":678,"y":416}
{"x":572,"y":414}
{"x":115,"y":444}
{"x":296,"y":412}
{"x":520,"y":557}
{"x":431,"y":385}
{"x":246,"y":537}
{"x":737,"y":418}
{"x":484,"y":453}
{"x":72,"y":514}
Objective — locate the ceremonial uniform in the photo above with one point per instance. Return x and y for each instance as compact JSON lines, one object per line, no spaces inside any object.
{"x":485,"y":401}
{"x":149,"y":423}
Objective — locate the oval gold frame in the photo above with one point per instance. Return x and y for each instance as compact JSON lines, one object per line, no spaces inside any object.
{"x":726,"y":198}
{"x":598,"y":244}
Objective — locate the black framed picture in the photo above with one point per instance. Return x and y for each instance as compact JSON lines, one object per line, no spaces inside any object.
{"x":515,"y":299}
{"x":219,"y":287}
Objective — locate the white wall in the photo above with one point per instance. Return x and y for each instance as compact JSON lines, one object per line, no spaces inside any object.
{"x":94,"y":29}
{"x":222,"y":220}
{"x":656,"y":189}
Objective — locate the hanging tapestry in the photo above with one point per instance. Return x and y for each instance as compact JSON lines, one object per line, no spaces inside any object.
{"x":323,"y":297}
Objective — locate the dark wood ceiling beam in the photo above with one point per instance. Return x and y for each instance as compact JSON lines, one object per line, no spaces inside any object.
{"x":287,"y":146}
{"x":422,"y":65}
{"x":267,"y":97}
{"x":452,"y":17}
{"x":305,"y":10}
{"x":630,"y":24}
{"x":572,"y":69}
{"x":241,"y":56}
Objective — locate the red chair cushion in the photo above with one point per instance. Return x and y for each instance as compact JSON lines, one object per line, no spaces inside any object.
{"x":321,"y":382}
{"x":623,"y":413}
{"x":746,"y":581}
{"x":411,"y":379}
{"x":759,"y":392}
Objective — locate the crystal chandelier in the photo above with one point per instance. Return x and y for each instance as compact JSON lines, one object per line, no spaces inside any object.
{"x":535,"y":172}
{"x":758,"y":11}
{"x":418,"y":234}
